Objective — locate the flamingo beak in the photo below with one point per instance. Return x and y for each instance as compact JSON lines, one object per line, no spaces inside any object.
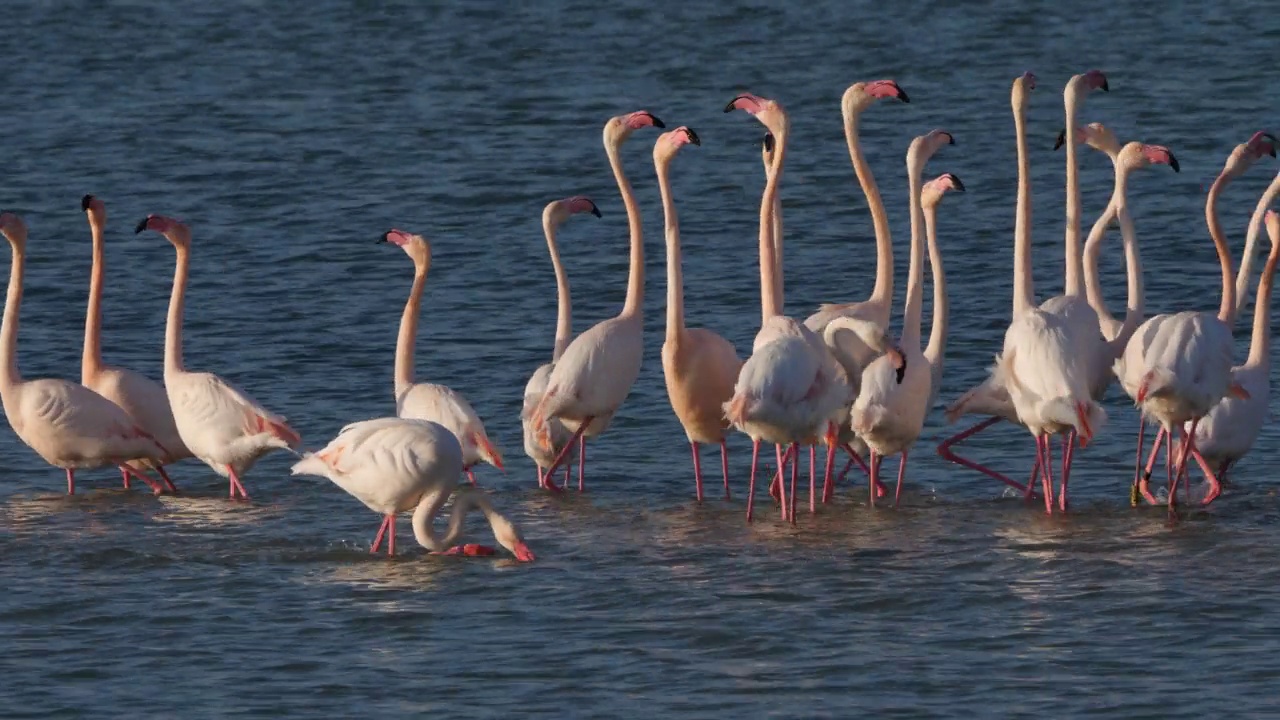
{"x":522,"y":552}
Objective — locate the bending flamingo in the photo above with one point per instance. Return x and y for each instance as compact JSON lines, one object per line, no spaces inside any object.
{"x":791,"y":389}
{"x":552,"y":217}
{"x":142,"y":398}
{"x":68,"y":425}
{"x":394,"y":465}
{"x":699,"y":366}
{"x":430,"y":401}
{"x":221,"y":425}
{"x":887,"y":415}
{"x":597,"y":370}
{"x":1178,"y":366}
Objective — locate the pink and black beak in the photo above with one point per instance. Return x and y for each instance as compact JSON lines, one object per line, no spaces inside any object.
{"x":653,"y":118}
{"x":955,"y":184}
{"x":141,"y":225}
{"x":85,"y":202}
{"x":1062,"y":139}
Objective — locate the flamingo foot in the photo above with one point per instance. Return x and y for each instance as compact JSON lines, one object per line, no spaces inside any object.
{"x":124,"y":475}
{"x":235,"y":486}
{"x":469,"y":550}
{"x":168,"y":482}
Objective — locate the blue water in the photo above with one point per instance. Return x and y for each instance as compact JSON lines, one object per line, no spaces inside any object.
{"x":291,"y":135}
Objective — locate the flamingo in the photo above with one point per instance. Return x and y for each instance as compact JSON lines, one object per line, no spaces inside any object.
{"x":552,"y":217}
{"x":221,"y":425}
{"x":1228,"y":432}
{"x":887,"y":415}
{"x":142,"y":398}
{"x":597,"y":370}
{"x":699,"y":366}
{"x":857,"y":332}
{"x":393,"y":465}
{"x":791,"y":390}
{"x":430,"y":401}
{"x":1176,"y":367}
{"x":989,"y":397}
{"x":68,"y":425}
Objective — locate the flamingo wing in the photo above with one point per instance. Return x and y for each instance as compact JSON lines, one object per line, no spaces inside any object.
{"x":207,"y":400}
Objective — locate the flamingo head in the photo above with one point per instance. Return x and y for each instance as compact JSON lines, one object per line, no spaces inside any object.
{"x":671,"y":141}
{"x":932,"y":192}
{"x":1080,"y":85}
{"x":1272,"y":221}
{"x":925,"y":146}
{"x":415,"y":246}
{"x":557,"y":211}
{"x":1095,"y":135}
{"x":619,"y":128}
{"x":508,"y":536}
{"x":1137,"y":155}
{"x":95,"y":209}
{"x":1246,"y":154}
{"x":14,"y":229}
{"x":862,"y":95}
{"x":1023,"y":84}
{"x":767,"y":111}
{"x":177,"y":232}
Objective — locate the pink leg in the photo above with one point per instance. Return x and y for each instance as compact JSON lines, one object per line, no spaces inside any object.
{"x":775,"y":485}
{"x":724,"y":467}
{"x":782,"y":464}
{"x":944,"y":449}
{"x":391,"y":536}
{"x":795,"y":475}
{"x":71,"y":481}
{"x":827,"y":484}
{"x":471,"y":477}
{"x":235,"y":485}
{"x":1137,"y":462}
{"x":902,"y":472}
{"x":168,"y":482}
{"x":1215,"y":483}
{"x":813,"y":479}
{"x":874,"y":477}
{"x":568,"y":475}
{"x":582,"y":461}
{"x":1068,"y":450}
{"x":564,"y":453}
{"x":1030,"y":492}
{"x":542,"y":481}
{"x":382,"y":530}
{"x":1144,"y":483}
{"x":1046,"y":466}
{"x":156,"y":488}
{"x":751,"y":488}
{"x":697,"y":471}
{"x":124,"y":475}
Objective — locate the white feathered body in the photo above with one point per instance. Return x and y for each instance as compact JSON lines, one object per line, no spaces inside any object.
{"x":147,"y":404}
{"x":1185,"y":361}
{"x":1047,"y":377}
{"x":1228,"y":432}
{"x":595,"y":374}
{"x":889,"y":416}
{"x":388,"y":463}
{"x":221,"y":425}
{"x":560,"y":435}
{"x":447,"y":407}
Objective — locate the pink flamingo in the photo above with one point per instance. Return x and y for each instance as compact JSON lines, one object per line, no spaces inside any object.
{"x":68,"y":425}
{"x":597,"y":370}
{"x":700,"y":367}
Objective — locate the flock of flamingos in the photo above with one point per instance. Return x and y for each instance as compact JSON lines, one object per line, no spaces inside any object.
{"x":837,"y":380}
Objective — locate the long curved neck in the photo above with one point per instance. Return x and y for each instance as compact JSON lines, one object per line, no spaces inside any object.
{"x":941,"y":306}
{"x":778,"y":274}
{"x":409,"y":330}
{"x":564,"y":305}
{"x":177,"y":302}
{"x":1260,"y":343}
{"x":1243,"y":275}
{"x":771,"y":299}
{"x":1227,"y":309}
{"x":1073,"y":285}
{"x":464,"y":499}
{"x":1023,"y":287}
{"x":1133,"y":268}
{"x":635,"y":280}
{"x":882,"y":292}
{"x":1092,"y":250}
{"x":91,"y":358}
{"x":675,"y":274}
{"x":915,"y":270}
{"x":9,"y":375}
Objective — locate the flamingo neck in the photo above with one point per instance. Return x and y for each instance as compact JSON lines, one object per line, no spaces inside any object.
{"x":1227,"y":309}
{"x":1260,"y":343}
{"x":633,"y":306}
{"x":776,"y":228}
{"x":1073,"y":284}
{"x":177,"y":302}
{"x":409,"y":330}
{"x":1023,"y":286}
{"x":1244,"y":274}
{"x":91,"y":358}
{"x":1136,"y":306}
{"x":10,"y":378}
{"x":915,"y":268}
{"x":564,"y":305}
{"x":771,"y":299}
{"x":937,"y":347}
{"x":464,"y":499}
{"x":675,"y":273}
{"x":882,"y":292}
{"x":1092,"y":250}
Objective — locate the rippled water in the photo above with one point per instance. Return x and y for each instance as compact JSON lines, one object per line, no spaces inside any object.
{"x":290,"y":135}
